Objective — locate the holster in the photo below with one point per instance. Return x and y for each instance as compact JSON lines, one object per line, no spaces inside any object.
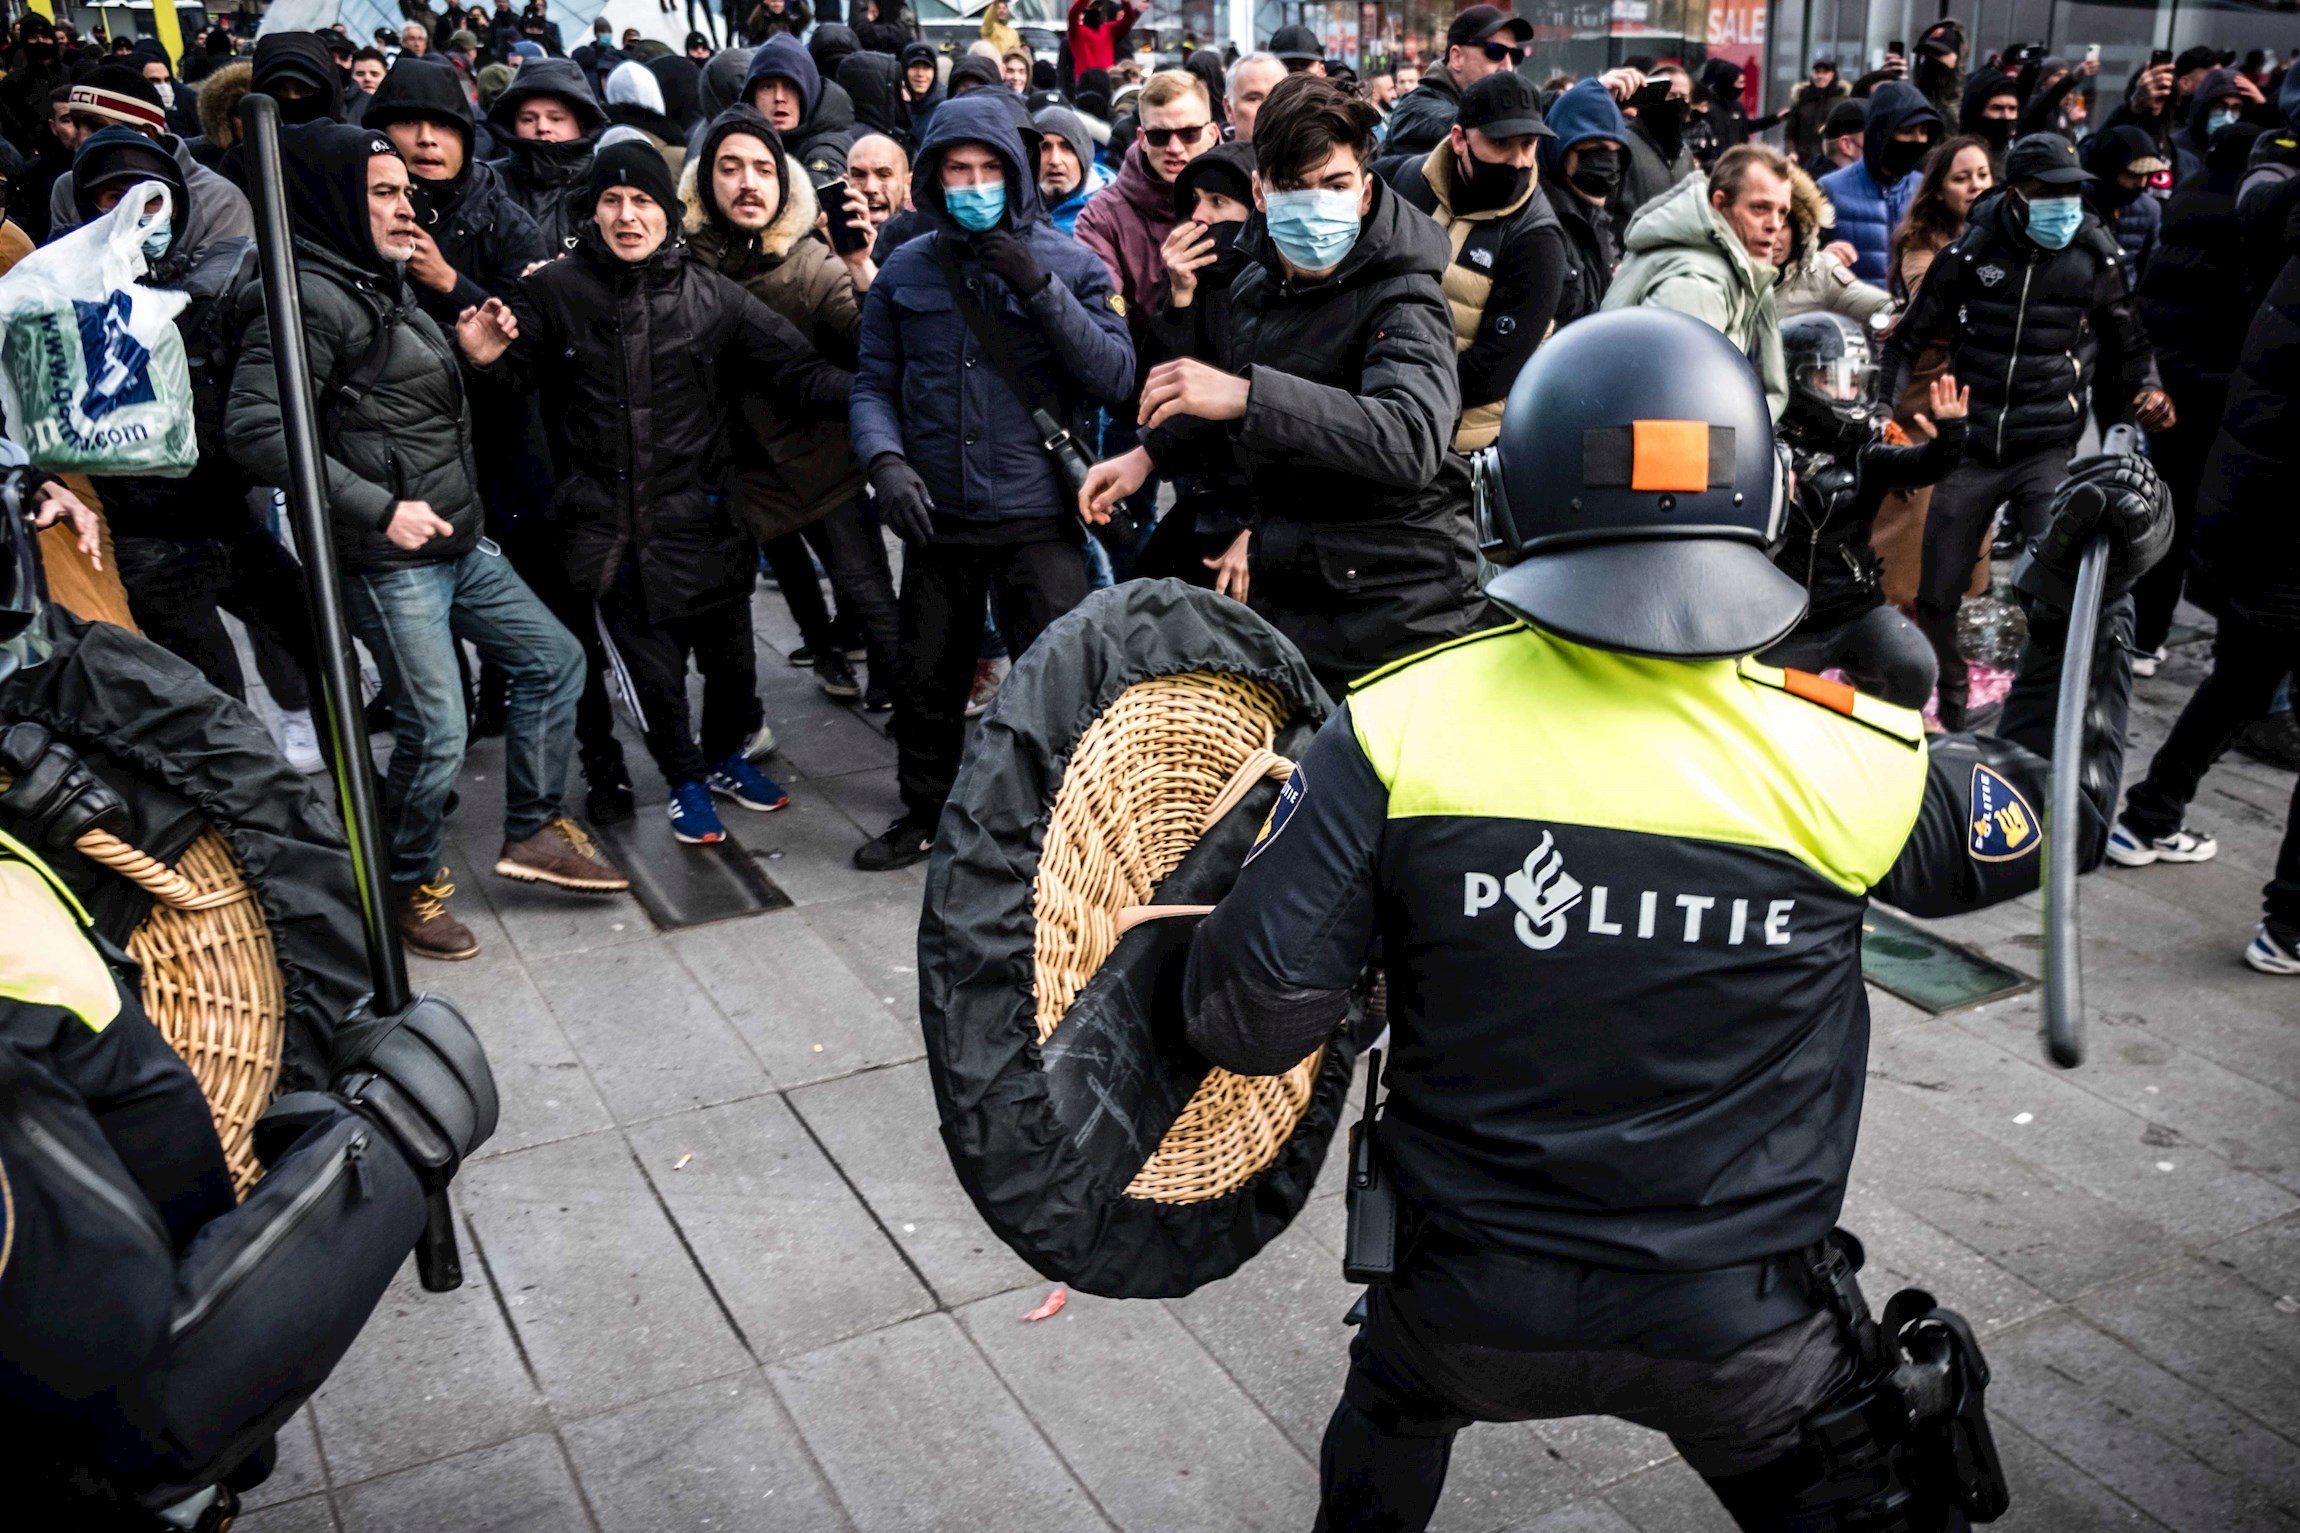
{"x":1370,"y":1246}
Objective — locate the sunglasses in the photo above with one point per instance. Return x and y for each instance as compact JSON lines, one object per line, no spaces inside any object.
{"x":1159,"y":138}
{"x":1505,"y":53}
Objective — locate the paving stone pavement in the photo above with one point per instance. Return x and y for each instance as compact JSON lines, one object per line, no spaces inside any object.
{"x":720,"y":1275}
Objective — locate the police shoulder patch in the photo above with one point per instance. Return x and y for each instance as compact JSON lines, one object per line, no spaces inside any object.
{"x":1291,"y":792}
{"x":1118,"y":305}
{"x":1999,"y":824}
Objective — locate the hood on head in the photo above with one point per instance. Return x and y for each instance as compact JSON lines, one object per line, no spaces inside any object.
{"x":1061,"y":122}
{"x":326,"y":172}
{"x":1206,"y":64}
{"x":633,"y":84}
{"x":1583,"y":112}
{"x":1683,"y":218}
{"x":681,"y":80}
{"x":722,"y":81}
{"x":219,"y":98}
{"x":975,"y":72}
{"x":734,"y":120}
{"x":2217,"y":85}
{"x":874,"y":82}
{"x":977,"y":119}
{"x":1809,"y":215}
{"x":783,"y":57}
{"x":829,"y":43}
{"x":563,"y":78}
{"x":1984,"y":86}
{"x":2231,"y":151}
{"x":1226,"y":168}
{"x":298,"y":56}
{"x":148,"y":51}
{"x":420,"y":90}
{"x":1721,"y":78}
{"x":1894,"y":105}
{"x":117,"y":154}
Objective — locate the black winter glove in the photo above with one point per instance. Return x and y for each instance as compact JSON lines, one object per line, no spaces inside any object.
{"x":47,"y":791}
{"x":903,"y":502}
{"x":1008,"y":255}
{"x":2112,"y":496}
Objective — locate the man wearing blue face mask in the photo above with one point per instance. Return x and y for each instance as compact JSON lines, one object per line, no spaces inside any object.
{"x":2030,"y":305}
{"x":983,"y":340}
{"x":1334,"y":404}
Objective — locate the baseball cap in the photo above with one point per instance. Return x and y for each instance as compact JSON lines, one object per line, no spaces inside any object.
{"x":1481,"y":22}
{"x":1824,"y":61}
{"x":1503,"y":105}
{"x":1296,"y":44}
{"x":2045,"y":157}
{"x":1849,"y":115}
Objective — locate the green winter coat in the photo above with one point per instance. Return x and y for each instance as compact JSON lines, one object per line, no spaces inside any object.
{"x":1679,"y":254}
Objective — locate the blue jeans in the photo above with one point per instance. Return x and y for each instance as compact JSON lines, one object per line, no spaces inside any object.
{"x":410,"y":621}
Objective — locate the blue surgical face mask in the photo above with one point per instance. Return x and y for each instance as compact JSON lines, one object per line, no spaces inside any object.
{"x":2052,"y":221}
{"x":2218,"y":120}
{"x":1313,"y":229}
{"x":977,"y":208}
{"x":156,"y":240}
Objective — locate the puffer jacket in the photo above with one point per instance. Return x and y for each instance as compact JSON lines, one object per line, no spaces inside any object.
{"x":1680,"y":255}
{"x":1869,"y":208}
{"x":409,"y":438}
{"x":923,"y":387}
{"x":640,"y":366}
{"x":789,"y":470}
{"x":2024,"y":328}
{"x":1502,"y":286}
{"x":2247,"y":540}
{"x":2195,"y":315}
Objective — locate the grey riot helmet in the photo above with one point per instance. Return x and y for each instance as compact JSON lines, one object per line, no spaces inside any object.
{"x":1633,"y":490}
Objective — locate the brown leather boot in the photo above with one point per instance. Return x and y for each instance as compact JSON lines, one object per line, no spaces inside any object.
{"x":563,"y":854}
{"x":426,"y":927}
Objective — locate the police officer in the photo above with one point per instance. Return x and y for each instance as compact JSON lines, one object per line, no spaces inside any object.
{"x":1618,"y":873}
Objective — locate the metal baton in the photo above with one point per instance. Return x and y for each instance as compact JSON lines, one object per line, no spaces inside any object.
{"x":437,"y":1262}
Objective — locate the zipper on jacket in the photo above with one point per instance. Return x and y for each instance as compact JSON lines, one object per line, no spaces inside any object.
{"x":352,"y":1162}
{"x":2012,"y":359}
{"x":133,"y":1207}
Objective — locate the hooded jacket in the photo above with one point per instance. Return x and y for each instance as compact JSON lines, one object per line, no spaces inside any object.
{"x":635,"y":100}
{"x":1972,"y":112}
{"x":212,"y":210}
{"x":888,"y":34}
{"x":2024,"y":327}
{"x":790,"y":469}
{"x":873,"y":82}
{"x":1502,"y":285}
{"x":641,"y":367}
{"x":1201,"y":328}
{"x":1869,"y":206}
{"x":1582,"y":114}
{"x":826,"y":123}
{"x":720,"y":87}
{"x":923,"y":387}
{"x":2194,"y":140}
{"x":1682,"y":255}
{"x":2134,"y":225}
{"x":2271,"y":188}
{"x":547,"y":178}
{"x":2195,"y":315}
{"x":409,"y":436}
{"x":1362,"y":548}
{"x":301,"y":57}
{"x":2247,"y":540}
{"x":831,"y":42}
{"x":919,"y":110}
{"x":1127,"y":227}
{"x":681,"y":82}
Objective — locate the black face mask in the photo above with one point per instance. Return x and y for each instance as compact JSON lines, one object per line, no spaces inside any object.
{"x":1487,"y":184}
{"x":1997,"y":132}
{"x":1225,"y":237}
{"x":2112,"y":194}
{"x":1666,"y":124}
{"x":311,"y":108}
{"x":1597,"y":173}
{"x":1898,"y":157}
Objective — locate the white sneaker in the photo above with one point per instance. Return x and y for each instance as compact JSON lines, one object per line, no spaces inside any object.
{"x":760,"y":745}
{"x":299,"y":742}
{"x":2270,"y":956}
{"x":989,"y":676}
{"x":2127,"y":848}
{"x":2146,"y":665}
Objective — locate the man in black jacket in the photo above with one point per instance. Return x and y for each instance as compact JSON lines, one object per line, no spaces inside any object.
{"x":1581,"y":169}
{"x":548,"y":123}
{"x":398,"y":475}
{"x":1480,"y":41}
{"x":2025,"y":302}
{"x":1336,"y":404}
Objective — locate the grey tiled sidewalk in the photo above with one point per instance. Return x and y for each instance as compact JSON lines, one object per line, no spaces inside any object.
{"x":720,"y":1275}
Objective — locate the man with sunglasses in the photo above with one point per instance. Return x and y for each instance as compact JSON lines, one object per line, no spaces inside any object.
{"x":1481,"y":41}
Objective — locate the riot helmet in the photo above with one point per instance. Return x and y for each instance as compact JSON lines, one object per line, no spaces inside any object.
{"x":1830,"y":368}
{"x":1633,"y":490}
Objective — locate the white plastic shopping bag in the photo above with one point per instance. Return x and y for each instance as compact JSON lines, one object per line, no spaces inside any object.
{"x":92,"y":371}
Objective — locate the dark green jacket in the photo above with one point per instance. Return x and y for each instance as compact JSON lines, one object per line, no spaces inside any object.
{"x":408,"y":437}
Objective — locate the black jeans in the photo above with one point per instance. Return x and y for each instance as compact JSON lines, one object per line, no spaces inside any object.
{"x":655,"y":655}
{"x":1885,"y":654}
{"x":536,"y":551}
{"x":2247,"y":665}
{"x":853,"y":553}
{"x":177,"y":591}
{"x":2179,"y":455}
{"x":1955,"y":527}
{"x":944,"y":585}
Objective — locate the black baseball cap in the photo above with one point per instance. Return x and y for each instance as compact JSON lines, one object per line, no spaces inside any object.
{"x":1823,"y":61}
{"x":1296,"y":44}
{"x":2045,"y":157}
{"x":1481,"y":22}
{"x":1849,"y":115}
{"x":1503,"y":105}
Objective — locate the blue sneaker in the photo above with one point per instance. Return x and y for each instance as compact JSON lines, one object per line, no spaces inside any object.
{"x":737,"y":779}
{"x":694,"y":818}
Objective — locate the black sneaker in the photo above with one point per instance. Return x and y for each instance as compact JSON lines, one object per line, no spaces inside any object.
{"x":877,"y":698}
{"x":2273,"y":741}
{"x":901,"y":845}
{"x":609,"y":803}
{"x":802,"y":657}
{"x":836,"y":677}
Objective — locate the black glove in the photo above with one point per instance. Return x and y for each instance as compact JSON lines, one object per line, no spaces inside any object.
{"x":423,"y":1077}
{"x":2112,"y":496}
{"x":47,"y":791}
{"x":903,"y":502}
{"x":1008,"y":254}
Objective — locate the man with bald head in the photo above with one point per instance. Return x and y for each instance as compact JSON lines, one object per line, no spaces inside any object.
{"x":879,"y":169}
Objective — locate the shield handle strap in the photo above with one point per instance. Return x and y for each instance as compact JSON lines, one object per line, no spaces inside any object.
{"x":1262,"y":763}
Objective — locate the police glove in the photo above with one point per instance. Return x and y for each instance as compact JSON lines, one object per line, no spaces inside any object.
{"x":421,"y":1076}
{"x":1008,"y":255}
{"x":903,"y":503}
{"x":49,"y":792}
{"x":2110,"y":495}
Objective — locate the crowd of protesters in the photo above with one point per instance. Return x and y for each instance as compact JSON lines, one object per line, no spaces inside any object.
{"x":601,"y":334}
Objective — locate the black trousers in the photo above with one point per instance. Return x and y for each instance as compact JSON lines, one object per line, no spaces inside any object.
{"x":853,"y":553}
{"x":535,"y":550}
{"x":943,"y":588}
{"x":178,"y":592}
{"x":655,"y":655}
{"x":2179,"y":455}
{"x":2247,"y":665}
{"x":1955,"y":528}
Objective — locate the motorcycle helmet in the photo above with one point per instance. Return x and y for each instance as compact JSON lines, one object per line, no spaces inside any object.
{"x":1830,"y":368}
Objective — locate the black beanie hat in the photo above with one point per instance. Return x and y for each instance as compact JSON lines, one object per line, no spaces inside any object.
{"x":638,"y":166}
